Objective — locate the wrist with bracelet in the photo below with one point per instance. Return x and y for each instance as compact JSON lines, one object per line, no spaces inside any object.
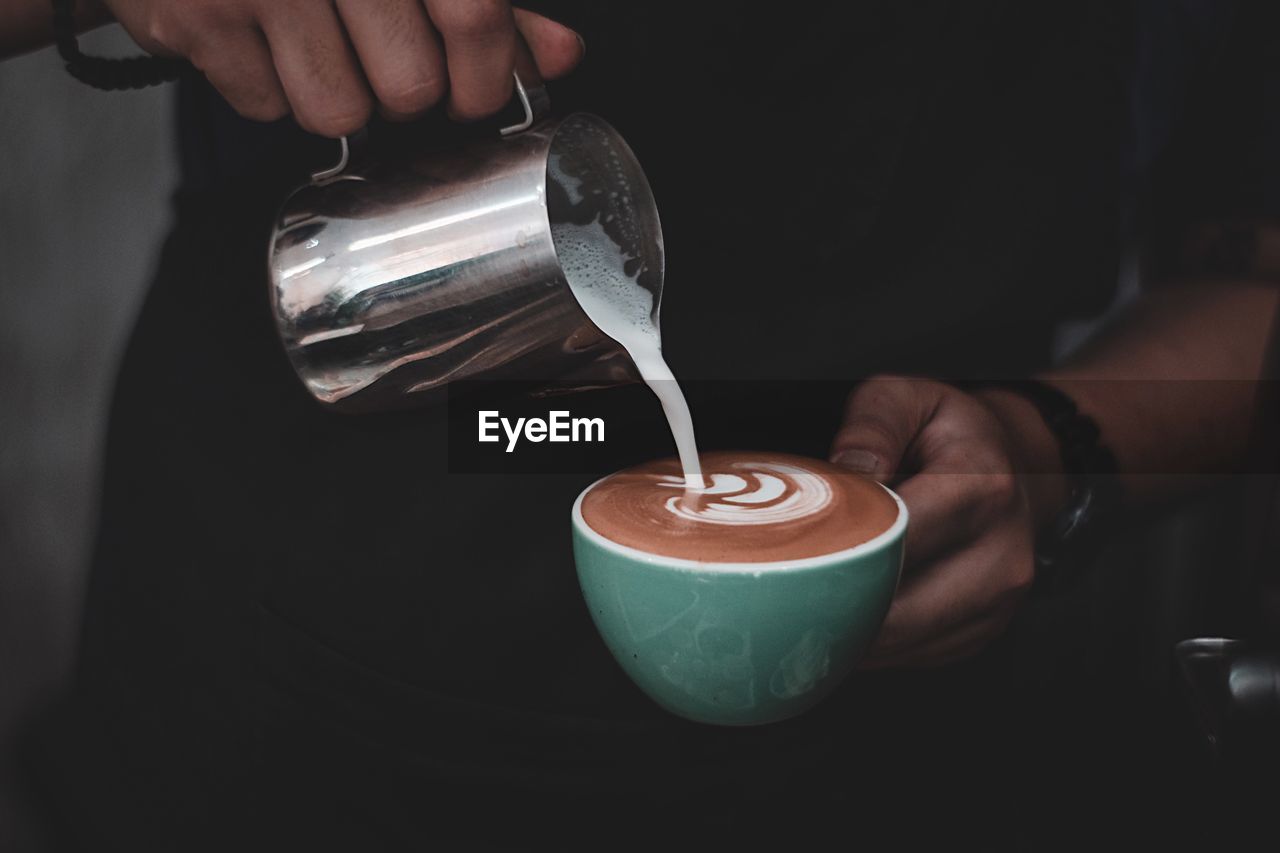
{"x":135,"y":72}
{"x":1077,"y":531}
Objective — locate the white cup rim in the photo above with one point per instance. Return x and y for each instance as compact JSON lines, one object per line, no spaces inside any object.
{"x":878,"y":542}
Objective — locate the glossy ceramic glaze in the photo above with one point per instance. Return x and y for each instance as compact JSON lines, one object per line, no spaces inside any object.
{"x":737,"y":643}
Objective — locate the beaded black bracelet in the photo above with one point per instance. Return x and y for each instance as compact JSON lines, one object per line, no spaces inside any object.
{"x":135,"y":72}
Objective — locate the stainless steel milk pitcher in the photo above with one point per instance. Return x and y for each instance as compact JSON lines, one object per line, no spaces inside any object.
{"x":392,"y":279}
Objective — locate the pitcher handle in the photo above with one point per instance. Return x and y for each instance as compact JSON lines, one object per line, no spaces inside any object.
{"x":344,"y":158}
{"x":535,"y":101}
{"x":532,"y":97}
{"x":530,"y":90}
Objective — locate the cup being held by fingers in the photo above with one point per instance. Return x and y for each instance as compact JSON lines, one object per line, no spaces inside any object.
{"x":749,"y":600}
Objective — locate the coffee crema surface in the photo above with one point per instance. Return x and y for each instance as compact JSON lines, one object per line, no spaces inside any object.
{"x":756,"y":508}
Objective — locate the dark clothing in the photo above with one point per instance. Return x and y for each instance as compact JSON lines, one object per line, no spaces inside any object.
{"x":299,"y":622}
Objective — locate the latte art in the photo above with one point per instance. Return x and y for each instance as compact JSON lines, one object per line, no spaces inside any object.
{"x":756,"y":508}
{"x":763,"y":493}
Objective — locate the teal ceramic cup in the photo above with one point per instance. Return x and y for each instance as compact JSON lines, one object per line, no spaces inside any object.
{"x":737,"y":644}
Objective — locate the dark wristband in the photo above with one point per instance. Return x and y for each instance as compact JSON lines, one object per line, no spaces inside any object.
{"x":137,"y":72}
{"x":1077,"y":532}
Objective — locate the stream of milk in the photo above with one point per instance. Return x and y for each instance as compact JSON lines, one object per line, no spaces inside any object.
{"x":594,"y":266}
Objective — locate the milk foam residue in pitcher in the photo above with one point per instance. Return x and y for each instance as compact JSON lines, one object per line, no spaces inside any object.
{"x":595,"y":231}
